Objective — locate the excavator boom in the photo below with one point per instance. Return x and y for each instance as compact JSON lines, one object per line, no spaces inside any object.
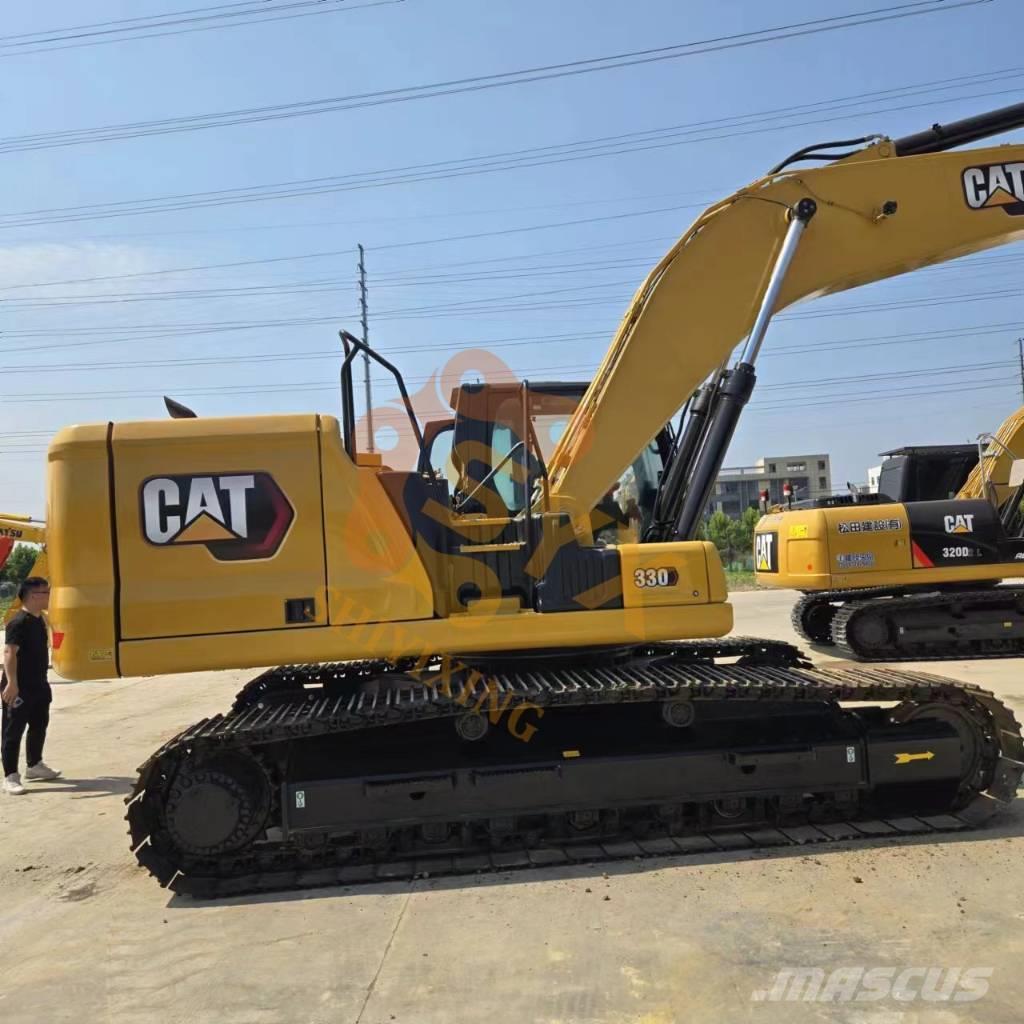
{"x":990,"y":478}
{"x":878,"y":215}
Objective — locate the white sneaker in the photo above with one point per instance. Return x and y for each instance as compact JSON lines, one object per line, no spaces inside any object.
{"x":41,"y":772}
{"x":12,"y":784}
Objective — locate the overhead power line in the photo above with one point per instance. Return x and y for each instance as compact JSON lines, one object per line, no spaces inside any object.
{"x":444,"y":349}
{"x":134,"y":333}
{"x":429,"y":272}
{"x":961,"y":371}
{"x":732,"y":126}
{"x":330,"y":285}
{"x":319,"y":286}
{"x":174,"y":23}
{"x":328,"y":255}
{"x":877,"y":395}
{"x":476,"y":83}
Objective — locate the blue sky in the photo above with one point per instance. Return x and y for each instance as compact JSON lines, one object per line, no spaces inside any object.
{"x":570,"y":280}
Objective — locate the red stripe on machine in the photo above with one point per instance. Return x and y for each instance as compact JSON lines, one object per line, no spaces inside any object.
{"x":921,"y":560}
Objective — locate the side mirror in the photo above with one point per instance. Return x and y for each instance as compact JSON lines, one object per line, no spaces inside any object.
{"x":1017,"y":472}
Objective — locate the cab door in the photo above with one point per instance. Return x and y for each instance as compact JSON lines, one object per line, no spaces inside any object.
{"x":219,"y":525}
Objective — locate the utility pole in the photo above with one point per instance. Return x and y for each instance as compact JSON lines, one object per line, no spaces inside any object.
{"x":1020,"y":353}
{"x":366,"y":358}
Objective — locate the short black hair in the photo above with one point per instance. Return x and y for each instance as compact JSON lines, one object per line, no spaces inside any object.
{"x":29,"y":584}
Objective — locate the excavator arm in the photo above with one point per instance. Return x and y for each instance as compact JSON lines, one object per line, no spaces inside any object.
{"x":888,"y":209}
{"x":990,"y":478}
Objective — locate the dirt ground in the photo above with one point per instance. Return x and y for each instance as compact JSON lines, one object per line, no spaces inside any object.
{"x":87,"y":936}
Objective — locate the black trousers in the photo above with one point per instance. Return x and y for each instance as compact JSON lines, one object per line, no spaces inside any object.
{"x":33,"y":715}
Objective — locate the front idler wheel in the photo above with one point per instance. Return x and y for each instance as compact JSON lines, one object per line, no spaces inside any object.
{"x":816,"y":622}
{"x":218,"y":805}
{"x":975,"y":743}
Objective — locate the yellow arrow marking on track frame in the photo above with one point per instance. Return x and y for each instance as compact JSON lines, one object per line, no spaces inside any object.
{"x":926,"y":755}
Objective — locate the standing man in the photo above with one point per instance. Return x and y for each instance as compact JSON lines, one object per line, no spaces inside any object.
{"x":26,"y":691}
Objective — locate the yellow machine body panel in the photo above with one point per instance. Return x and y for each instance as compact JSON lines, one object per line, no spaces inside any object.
{"x":462,"y":633}
{"x":856,"y":546}
{"x":184,"y":504}
{"x":240,"y":542}
{"x":83,"y":589}
{"x":658,"y":575}
{"x":373,"y":570}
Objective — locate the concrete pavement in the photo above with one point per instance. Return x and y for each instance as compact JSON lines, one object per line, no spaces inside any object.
{"x":87,"y":936}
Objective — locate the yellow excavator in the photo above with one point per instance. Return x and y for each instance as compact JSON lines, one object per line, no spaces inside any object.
{"x":472,"y":676}
{"x":19,"y":529}
{"x":891,"y":581}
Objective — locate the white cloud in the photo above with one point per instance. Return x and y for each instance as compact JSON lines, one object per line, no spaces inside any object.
{"x":52,"y":261}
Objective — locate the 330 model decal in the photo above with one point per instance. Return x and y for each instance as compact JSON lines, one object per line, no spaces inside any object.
{"x":235,"y":515}
{"x":660,"y":577}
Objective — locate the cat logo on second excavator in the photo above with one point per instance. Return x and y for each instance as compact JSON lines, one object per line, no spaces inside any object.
{"x":958,"y":523}
{"x":235,"y":515}
{"x":766,"y":553}
{"x":995,"y":185}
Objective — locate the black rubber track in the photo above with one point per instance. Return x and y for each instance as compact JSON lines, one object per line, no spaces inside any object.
{"x":805,"y":608}
{"x":327,"y":705}
{"x":871,"y":602}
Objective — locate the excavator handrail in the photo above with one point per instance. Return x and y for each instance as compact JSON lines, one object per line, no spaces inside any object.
{"x":355,"y":345}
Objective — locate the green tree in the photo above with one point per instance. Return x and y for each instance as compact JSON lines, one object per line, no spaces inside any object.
{"x":743,"y":531}
{"x":19,"y":563}
{"x":719,"y":532}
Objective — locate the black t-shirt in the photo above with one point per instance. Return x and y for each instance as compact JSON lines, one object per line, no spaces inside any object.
{"x":29,"y":633}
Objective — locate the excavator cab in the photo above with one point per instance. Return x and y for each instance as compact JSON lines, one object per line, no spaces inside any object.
{"x":481,"y":452}
{"x":475,"y":507}
{"x":926,"y":472}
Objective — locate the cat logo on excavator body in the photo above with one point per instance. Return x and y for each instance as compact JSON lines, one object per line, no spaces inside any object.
{"x":235,"y":515}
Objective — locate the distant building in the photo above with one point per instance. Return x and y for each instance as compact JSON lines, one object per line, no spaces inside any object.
{"x":739,"y":487}
{"x":873,"y":474}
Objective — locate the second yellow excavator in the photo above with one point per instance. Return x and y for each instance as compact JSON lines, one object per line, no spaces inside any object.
{"x":473,"y":677}
{"x":923,"y":580}
{"x":15,"y":530}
